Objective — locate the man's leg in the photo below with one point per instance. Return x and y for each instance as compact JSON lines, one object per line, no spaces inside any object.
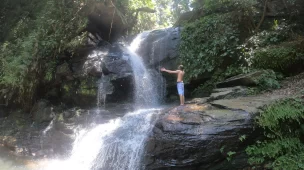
{"x":183,"y":94}
{"x":181,"y":99}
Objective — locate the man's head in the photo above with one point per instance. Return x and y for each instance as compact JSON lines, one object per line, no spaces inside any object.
{"x":181,"y":67}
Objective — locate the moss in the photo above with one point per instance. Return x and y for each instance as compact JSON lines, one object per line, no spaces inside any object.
{"x":60,"y":117}
{"x":87,"y":87}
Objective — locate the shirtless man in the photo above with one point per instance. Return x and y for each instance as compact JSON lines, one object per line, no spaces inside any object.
{"x":180,"y":84}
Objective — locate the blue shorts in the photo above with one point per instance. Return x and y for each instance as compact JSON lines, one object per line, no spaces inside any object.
{"x":180,"y":88}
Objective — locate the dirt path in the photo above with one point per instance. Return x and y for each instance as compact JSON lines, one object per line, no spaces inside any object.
{"x":291,"y":86}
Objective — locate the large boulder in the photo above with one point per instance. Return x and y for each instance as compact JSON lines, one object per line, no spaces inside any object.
{"x":42,"y":112}
{"x":205,"y":136}
{"x":193,"y":136}
{"x":160,"y":47}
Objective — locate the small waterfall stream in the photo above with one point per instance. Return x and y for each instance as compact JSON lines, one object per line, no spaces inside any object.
{"x":119,"y":144}
{"x":145,"y":88}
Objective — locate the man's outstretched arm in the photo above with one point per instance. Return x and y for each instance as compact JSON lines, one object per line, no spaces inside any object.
{"x":169,"y":71}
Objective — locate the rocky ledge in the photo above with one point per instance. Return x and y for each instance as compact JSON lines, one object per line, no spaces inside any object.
{"x":205,"y":135}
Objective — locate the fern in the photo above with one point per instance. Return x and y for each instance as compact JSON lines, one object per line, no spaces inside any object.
{"x":283,"y":125}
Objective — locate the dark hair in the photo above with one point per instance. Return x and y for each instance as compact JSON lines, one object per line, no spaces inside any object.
{"x":181,"y":67}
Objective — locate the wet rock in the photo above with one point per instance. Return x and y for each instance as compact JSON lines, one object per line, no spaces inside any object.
{"x":42,"y":112}
{"x":9,"y":142}
{"x":250,"y":104}
{"x":249,"y":79}
{"x":191,"y":137}
{"x":64,"y":71}
{"x":40,"y":139}
{"x":108,"y":65}
{"x":231,"y":92}
{"x":198,"y":100}
{"x":161,"y":46}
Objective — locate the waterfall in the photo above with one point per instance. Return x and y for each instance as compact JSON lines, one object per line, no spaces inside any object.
{"x":147,"y":81}
{"x":101,"y":92}
{"x":119,"y":144}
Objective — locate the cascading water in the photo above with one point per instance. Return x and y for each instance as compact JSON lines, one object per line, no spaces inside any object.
{"x":147,"y":91}
{"x":119,"y":144}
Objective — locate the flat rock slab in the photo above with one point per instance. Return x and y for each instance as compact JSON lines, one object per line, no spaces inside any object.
{"x":229,"y":92}
{"x":249,"y":79}
{"x":248,"y":104}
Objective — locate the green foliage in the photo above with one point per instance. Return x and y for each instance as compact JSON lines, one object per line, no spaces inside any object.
{"x":280,"y":154}
{"x":279,"y":32}
{"x":46,"y":29}
{"x":167,"y":12}
{"x":282,"y":148}
{"x":236,"y":69}
{"x":268,"y":81}
{"x":279,"y":58}
{"x":207,"y":42}
{"x":229,"y":155}
{"x":224,"y":6}
{"x":289,"y":110}
{"x":242,"y":138}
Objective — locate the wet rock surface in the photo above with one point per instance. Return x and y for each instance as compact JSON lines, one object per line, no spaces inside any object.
{"x":199,"y":135}
{"x":42,"y":111}
{"x":78,"y":78}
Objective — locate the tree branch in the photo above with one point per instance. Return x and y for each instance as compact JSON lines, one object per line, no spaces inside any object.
{"x":263,"y":16}
{"x":145,"y":9}
{"x":112,"y":20}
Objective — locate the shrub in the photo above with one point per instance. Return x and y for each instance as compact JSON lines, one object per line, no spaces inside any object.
{"x":282,"y":148}
{"x":205,"y":44}
{"x":268,"y":81}
{"x":286,"y":59}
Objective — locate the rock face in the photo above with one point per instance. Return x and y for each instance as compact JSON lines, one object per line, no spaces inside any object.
{"x":231,"y":92}
{"x":249,"y":79}
{"x":159,"y":48}
{"x":248,"y":104}
{"x":199,"y":136}
{"x":42,"y":112}
{"x":78,"y":78}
